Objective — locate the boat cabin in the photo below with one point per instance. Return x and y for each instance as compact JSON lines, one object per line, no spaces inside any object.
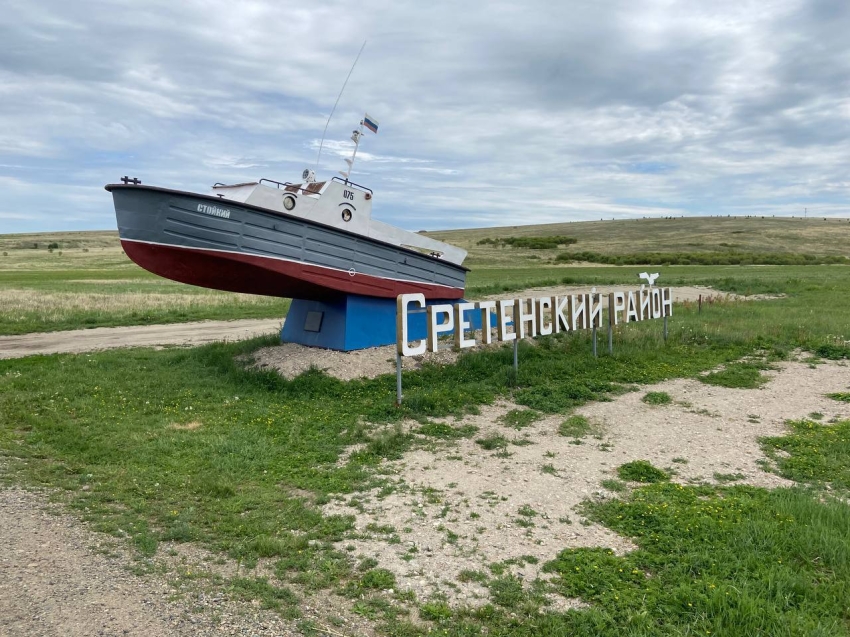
{"x":337,"y":203}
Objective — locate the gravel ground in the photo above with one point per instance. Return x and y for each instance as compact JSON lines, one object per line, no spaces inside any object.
{"x":59,"y":579}
{"x":458,"y":506}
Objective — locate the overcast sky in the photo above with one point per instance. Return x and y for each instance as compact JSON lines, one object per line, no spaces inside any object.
{"x":490,"y":113}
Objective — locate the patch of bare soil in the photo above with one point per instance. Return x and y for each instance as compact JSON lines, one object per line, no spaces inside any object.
{"x":189,"y":426}
{"x":291,"y":359}
{"x":460,"y":507}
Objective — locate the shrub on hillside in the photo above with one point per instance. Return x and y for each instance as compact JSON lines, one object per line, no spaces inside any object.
{"x":531,"y":243}
{"x":706,"y":258}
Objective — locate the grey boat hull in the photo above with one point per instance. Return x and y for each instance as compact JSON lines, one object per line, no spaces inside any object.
{"x":219,"y":244}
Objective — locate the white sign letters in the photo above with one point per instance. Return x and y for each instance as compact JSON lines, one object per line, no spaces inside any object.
{"x":524,"y":318}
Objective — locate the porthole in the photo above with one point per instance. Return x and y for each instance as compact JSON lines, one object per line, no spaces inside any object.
{"x":346,"y":215}
{"x":289,"y":202}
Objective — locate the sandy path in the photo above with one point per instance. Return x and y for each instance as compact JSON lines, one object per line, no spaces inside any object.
{"x":75,"y":341}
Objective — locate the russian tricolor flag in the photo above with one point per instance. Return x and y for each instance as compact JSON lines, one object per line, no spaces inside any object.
{"x":371,"y":123}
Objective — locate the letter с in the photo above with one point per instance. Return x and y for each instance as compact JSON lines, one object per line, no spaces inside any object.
{"x":402,"y":329}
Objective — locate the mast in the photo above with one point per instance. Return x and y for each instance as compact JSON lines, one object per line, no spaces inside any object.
{"x":355,"y":137}
{"x":372,"y":124}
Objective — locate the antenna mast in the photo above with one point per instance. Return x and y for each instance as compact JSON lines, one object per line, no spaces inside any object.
{"x":322,"y":143}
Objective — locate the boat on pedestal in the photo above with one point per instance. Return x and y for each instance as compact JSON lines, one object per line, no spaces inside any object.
{"x":310,"y":240}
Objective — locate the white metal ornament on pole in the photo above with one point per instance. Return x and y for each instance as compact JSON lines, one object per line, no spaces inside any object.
{"x":650,"y":278}
{"x":355,"y":137}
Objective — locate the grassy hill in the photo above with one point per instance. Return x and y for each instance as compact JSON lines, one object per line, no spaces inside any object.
{"x":65,"y":280}
{"x":36,"y":240}
{"x":92,"y":250}
{"x":699,"y":235}
{"x":817,"y":236}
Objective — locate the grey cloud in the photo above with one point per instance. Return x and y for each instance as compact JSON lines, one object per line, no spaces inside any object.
{"x":484,"y":111}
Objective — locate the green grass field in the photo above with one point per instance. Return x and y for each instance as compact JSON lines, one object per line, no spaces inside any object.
{"x":187,"y":445}
{"x":87,"y":281}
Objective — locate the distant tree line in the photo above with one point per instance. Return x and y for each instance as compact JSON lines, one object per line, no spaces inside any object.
{"x":531,"y":243}
{"x":704,"y":258}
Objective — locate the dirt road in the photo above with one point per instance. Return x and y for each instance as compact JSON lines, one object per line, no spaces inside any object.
{"x":76,"y":341}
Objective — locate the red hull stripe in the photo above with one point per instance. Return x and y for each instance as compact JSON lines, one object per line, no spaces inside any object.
{"x":269,"y":276}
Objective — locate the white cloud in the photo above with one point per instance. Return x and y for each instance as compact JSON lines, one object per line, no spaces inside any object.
{"x":499,"y":114}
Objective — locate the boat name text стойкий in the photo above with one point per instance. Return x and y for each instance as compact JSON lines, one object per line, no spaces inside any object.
{"x":224,"y":213}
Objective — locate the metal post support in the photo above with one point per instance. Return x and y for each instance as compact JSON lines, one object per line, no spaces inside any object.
{"x":398,"y":379}
{"x":610,"y":339}
{"x":516,"y":350}
{"x":665,"y":329}
{"x":594,"y":342}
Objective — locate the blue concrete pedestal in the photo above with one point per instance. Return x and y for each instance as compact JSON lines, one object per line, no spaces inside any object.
{"x":354,"y":322}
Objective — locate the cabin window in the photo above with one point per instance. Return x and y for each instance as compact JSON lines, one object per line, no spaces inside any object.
{"x":346,"y":215}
